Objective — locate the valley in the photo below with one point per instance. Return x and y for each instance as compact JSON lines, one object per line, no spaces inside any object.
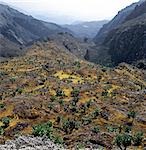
{"x":61,"y":90}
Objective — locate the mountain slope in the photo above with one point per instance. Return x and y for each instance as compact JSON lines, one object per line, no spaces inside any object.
{"x":124,"y":38}
{"x":17,"y":30}
{"x":115,"y":22}
{"x":87,"y":105}
{"x":86,"y":29}
{"x":127,"y":42}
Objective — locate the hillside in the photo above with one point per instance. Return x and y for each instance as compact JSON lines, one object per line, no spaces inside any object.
{"x":127,"y":42}
{"x":17,"y":30}
{"x":123,"y":38}
{"x":86,"y":29}
{"x":114,"y":23}
{"x":88,"y":105}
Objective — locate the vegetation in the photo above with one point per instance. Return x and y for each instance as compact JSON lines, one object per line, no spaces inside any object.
{"x":78,"y":101}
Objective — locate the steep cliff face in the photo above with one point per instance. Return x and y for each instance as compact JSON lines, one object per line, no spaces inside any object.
{"x":124,"y":37}
{"x":127,"y":43}
{"x":115,"y":22}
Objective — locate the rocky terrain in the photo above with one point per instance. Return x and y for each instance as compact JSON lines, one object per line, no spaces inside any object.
{"x":50,"y":91}
{"x":30,"y":143}
{"x":52,"y":98}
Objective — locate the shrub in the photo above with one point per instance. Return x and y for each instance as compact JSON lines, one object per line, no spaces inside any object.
{"x":44,"y":129}
{"x":69,"y":125}
{"x":123,"y":140}
{"x":6,"y":121}
{"x":75,"y":93}
{"x":77,"y":64}
{"x":127,"y":129}
{"x":137,"y":139}
{"x":131,"y":114}
{"x":19,"y":90}
{"x":95,"y":113}
{"x":86,"y":120}
{"x":2,"y":105}
{"x":96,"y":129}
{"x":58,"y":140}
{"x":105,"y":93}
{"x":53,"y":98}
{"x":1,"y":131}
{"x":60,"y":93}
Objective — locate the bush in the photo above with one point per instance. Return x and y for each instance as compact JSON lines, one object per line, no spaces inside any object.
{"x":2,"y":105}
{"x":69,"y":125}
{"x":137,"y":139}
{"x":75,"y":93}
{"x":53,"y":98}
{"x":131,"y":114}
{"x":6,"y":122}
{"x":58,"y":140}
{"x":95,"y":113}
{"x":127,"y":129}
{"x":44,"y":129}
{"x":1,"y":131}
{"x":60,"y":93}
{"x":124,"y":140}
{"x":96,"y":129}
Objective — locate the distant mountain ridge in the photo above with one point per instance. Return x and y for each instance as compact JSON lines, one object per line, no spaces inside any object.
{"x":86,"y":29}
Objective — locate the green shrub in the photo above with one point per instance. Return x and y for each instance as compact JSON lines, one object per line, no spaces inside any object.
{"x":6,"y":121}
{"x":75,"y":93}
{"x":58,"y":140}
{"x":127,"y":129}
{"x":1,"y":131}
{"x":2,"y":105}
{"x":123,"y":140}
{"x":105,"y":93}
{"x":44,"y":129}
{"x":60,"y":93}
{"x":137,"y":139}
{"x":19,"y":90}
{"x":95,"y":113}
{"x":53,"y":98}
{"x":96,"y":129}
{"x":69,"y":125}
{"x":131,"y":114}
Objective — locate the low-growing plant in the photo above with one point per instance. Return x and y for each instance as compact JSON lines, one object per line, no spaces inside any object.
{"x":131,"y":114}
{"x":58,"y":140}
{"x":95,"y":113}
{"x":5,"y":121}
{"x":68,"y":125}
{"x":2,"y":105}
{"x":53,"y":98}
{"x":1,"y":131}
{"x":137,"y":139}
{"x":127,"y":129}
{"x":75,"y":93}
{"x":44,"y":129}
{"x":96,"y":129}
{"x":60,"y":93}
{"x":123,"y":140}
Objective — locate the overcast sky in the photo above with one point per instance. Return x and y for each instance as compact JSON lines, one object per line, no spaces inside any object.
{"x":71,"y":10}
